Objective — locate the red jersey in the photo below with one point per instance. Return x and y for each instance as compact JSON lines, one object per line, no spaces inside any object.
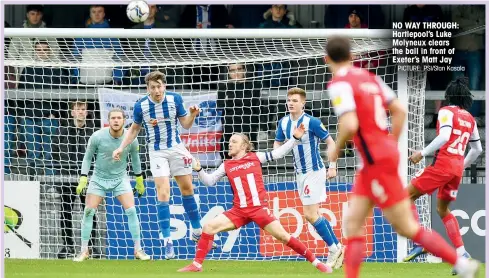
{"x":355,"y":89}
{"x":450,"y":156}
{"x":246,"y":178}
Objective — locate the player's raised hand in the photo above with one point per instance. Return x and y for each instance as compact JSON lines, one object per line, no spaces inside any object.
{"x":139,"y":188}
{"x":299,"y":131}
{"x":194,"y":110}
{"x":196,"y":165}
{"x":116,"y":154}
{"x":331,"y":173}
{"x":82,"y":185}
{"x":416,"y":157}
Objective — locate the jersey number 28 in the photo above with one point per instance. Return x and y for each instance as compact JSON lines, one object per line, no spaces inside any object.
{"x":458,"y":146}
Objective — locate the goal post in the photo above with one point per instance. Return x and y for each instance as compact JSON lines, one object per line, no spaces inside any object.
{"x":238,"y":77}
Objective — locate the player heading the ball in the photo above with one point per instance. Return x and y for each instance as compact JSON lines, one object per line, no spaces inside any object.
{"x":309,"y":167}
{"x":360,"y":101}
{"x":159,"y":113}
{"x":111,"y":176}
{"x":456,"y":129}
{"x":250,"y":198}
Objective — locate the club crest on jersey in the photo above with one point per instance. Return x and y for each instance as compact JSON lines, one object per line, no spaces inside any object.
{"x":337,"y":101}
{"x":153,"y":122}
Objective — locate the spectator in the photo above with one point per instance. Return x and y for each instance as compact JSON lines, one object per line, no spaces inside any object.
{"x":366,"y":60}
{"x":239,"y":100}
{"x":279,"y":17}
{"x":22,"y":48}
{"x":73,"y":139}
{"x":40,"y":77}
{"x":468,"y":49}
{"x":436,"y":80}
{"x":336,"y":16}
{"x":356,"y":20}
{"x":97,"y":51}
{"x":169,"y":14}
{"x":203,"y":17}
{"x":248,"y":16}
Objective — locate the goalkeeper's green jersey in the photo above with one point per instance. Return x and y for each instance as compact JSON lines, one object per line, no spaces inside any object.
{"x":102,"y":144}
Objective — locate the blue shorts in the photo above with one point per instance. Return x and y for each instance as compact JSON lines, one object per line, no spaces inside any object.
{"x":100,"y":187}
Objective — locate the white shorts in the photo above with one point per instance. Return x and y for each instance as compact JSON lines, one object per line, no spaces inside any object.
{"x":175,"y":161}
{"x":312,"y":187}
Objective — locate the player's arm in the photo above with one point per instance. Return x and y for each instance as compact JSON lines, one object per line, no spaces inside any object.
{"x":396,"y":109}
{"x":475,"y":148}
{"x":87,"y":161}
{"x":341,"y":95}
{"x":279,"y":136}
{"x":322,"y":133}
{"x":284,"y":149}
{"x":209,"y":179}
{"x":445,"y":121}
{"x":136,"y":168}
{"x":186,"y":119}
{"x":132,"y":132}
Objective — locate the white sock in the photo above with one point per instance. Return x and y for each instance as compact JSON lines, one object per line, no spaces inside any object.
{"x":197,"y":231}
{"x":84,"y":246}
{"x":316,"y":262}
{"x":461,"y":251}
{"x":333,"y":248}
{"x":137,"y":244}
{"x":461,"y":265}
{"x":166,"y":240}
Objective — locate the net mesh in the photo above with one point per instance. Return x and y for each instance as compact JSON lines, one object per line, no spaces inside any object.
{"x":240,"y":85}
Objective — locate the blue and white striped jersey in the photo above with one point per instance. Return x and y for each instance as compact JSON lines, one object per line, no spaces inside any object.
{"x":306,"y":154}
{"x":160,"y":120}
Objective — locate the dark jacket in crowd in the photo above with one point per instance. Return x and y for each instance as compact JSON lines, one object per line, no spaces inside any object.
{"x":73,"y":141}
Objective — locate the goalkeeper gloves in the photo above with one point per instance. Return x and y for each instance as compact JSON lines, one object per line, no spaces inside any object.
{"x":82,"y":185}
{"x":139,"y":188}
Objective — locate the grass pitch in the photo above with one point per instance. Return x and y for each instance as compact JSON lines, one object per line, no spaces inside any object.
{"x":215,"y":269}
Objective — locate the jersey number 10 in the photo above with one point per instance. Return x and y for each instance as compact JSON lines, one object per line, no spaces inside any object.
{"x":458,"y":146}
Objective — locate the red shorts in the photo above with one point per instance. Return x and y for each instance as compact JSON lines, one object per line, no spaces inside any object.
{"x":242,"y":216}
{"x":431,"y":178}
{"x":381,"y":184}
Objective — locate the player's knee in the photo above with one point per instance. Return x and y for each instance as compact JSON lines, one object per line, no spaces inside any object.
{"x":283,"y":237}
{"x":163,"y":195}
{"x":209,"y":228}
{"x":89,"y":211}
{"x":442,"y":211}
{"x":187,"y":191}
{"x":130,"y":211}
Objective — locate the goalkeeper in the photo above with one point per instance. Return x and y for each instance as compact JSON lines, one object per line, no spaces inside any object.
{"x":110,"y":176}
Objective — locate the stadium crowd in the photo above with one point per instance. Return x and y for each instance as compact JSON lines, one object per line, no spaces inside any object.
{"x":51,"y":136}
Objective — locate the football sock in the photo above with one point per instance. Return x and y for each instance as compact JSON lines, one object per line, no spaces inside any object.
{"x":436,"y":245}
{"x":203,"y":247}
{"x":354,"y":254}
{"x":164,"y":218}
{"x":87,"y":225}
{"x":323,"y":228}
{"x":453,"y":230}
{"x":192,"y":210}
{"x":134,"y":228}
{"x":301,"y":249}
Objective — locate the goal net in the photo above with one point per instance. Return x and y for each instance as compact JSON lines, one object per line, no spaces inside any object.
{"x":59,"y":89}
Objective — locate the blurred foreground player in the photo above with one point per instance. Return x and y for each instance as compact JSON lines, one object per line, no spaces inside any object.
{"x":250,"y":198}
{"x":456,"y":128}
{"x":360,"y":100}
{"x":111,"y":176}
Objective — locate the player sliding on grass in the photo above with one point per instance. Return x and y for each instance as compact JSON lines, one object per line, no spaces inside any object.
{"x":456,"y":128}
{"x":110,"y":176}
{"x":310,"y":170}
{"x":250,"y":198}
{"x":360,"y":100}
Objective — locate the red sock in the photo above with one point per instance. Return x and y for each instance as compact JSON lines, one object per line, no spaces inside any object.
{"x":203,"y":247}
{"x":436,"y":245}
{"x":354,"y":254}
{"x":415,"y":212}
{"x":453,"y":230}
{"x":301,"y":249}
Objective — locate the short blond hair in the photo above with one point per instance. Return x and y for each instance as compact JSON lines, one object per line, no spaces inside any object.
{"x":155,"y":76}
{"x":115,"y":110}
{"x":297,"y":91}
{"x":246,"y":140}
